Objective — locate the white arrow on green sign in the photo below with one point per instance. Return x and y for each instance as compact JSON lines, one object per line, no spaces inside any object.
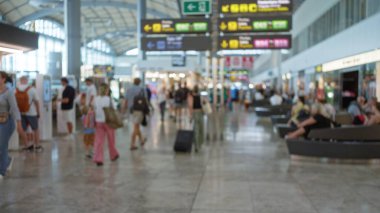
{"x":196,"y":7}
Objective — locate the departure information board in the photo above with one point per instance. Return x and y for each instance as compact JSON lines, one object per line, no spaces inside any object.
{"x":255,"y":24}
{"x":255,"y":42}
{"x":176,"y":43}
{"x":175,"y":26}
{"x":243,"y":7}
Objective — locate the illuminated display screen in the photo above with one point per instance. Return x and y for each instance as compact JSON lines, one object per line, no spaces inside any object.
{"x":255,"y":24}
{"x":254,"y":6}
{"x":173,"y":26}
{"x":176,"y":43}
{"x":255,"y":42}
{"x":47,"y":90}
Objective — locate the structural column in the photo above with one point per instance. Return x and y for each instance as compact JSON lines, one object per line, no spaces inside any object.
{"x":72,"y":50}
{"x":141,"y":14}
{"x":377,"y":74}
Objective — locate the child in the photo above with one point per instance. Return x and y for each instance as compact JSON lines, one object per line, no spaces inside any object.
{"x":88,"y":120}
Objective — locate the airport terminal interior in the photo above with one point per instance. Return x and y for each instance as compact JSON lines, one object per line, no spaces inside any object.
{"x":190,"y":106}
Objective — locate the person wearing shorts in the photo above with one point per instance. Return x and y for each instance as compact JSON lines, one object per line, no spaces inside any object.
{"x":30,"y":118}
{"x":88,"y":120}
{"x":137,"y":116}
{"x":67,"y":105}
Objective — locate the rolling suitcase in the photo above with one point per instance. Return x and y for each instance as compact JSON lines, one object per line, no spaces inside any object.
{"x":184,"y":141}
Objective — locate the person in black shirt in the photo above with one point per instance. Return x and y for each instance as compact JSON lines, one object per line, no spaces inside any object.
{"x":67,"y":104}
{"x":318,"y":120}
{"x":195,"y":109}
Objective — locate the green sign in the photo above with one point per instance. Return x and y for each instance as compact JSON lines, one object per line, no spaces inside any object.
{"x":255,"y":24}
{"x":200,"y":27}
{"x":196,"y":7}
{"x":182,"y":27}
{"x":271,"y":25}
{"x":175,"y":26}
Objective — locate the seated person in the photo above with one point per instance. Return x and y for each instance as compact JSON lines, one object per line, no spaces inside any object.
{"x":299,"y":113}
{"x":355,"y":109}
{"x":318,"y":120}
{"x":275,"y":99}
{"x":374,"y":118}
{"x":329,"y":109}
{"x":368,"y":107}
{"x":259,"y":95}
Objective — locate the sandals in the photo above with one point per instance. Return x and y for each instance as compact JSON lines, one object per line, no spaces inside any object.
{"x":115,"y":158}
{"x":28,"y":148}
{"x":143,"y":142}
{"x":133,"y":148}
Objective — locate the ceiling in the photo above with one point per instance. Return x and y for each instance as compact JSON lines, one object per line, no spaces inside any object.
{"x":112,"y":20}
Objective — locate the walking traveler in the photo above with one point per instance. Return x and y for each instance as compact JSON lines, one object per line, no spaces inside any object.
{"x":102,"y":129}
{"x":90,"y":91}
{"x":28,"y":104}
{"x":8,"y":113}
{"x":88,"y":119}
{"x":197,"y":115}
{"x":162,"y":96}
{"x":67,"y":105}
{"x":137,"y":104}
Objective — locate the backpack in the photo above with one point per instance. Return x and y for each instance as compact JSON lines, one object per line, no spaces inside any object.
{"x":140,"y":103}
{"x":22,"y":98}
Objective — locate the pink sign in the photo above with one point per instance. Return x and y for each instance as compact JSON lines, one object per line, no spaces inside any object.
{"x":276,"y":43}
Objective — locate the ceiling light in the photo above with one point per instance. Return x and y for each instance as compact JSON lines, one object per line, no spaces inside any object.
{"x":9,"y":50}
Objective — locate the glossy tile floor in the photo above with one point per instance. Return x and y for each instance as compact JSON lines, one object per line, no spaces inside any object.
{"x":249,"y":172}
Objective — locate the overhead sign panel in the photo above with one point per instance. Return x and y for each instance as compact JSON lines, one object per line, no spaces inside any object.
{"x":196,"y":7}
{"x":175,"y":26}
{"x":254,"y":6}
{"x":255,"y":24}
{"x":255,"y":42}
{"x":176,"y":43}
{"x":178,"y":60}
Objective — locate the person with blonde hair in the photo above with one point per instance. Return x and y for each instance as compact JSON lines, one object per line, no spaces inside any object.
{"x":319,"y":119}
{"x":102,"y":129}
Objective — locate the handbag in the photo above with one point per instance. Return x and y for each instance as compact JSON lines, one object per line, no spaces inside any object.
{"x":206,"y":107}
{"x":4,"y":116}
{"x":144,"y":122}
{"x":113,"y":119}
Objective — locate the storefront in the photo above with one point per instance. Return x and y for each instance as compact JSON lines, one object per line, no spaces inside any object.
{"x":346,"y":79}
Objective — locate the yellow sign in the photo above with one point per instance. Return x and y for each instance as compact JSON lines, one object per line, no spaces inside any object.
{"x":157,"y":28}
{"x":236,"y":8}
{"x":223,"y":26}
{"x":147,"y":28}
{"x":224,"y":44}
{"x":232,"y":26}
{"x":234,"y":44}
{"x":226,"y":8}
{"x":239,"y":8}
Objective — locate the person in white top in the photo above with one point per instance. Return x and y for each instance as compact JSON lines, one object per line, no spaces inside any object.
{"x":162,"y":96}
{"x":90,"y":91}
{"x":275,"y":99}
{"x":259,"y":95}
{"x":102,"y":129}
{"x":30,"y":111}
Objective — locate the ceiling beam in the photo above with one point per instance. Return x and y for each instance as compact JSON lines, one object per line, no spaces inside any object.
{"x":87,"y":3}
{"x":180,"y":8}
{"x":113,"y":34}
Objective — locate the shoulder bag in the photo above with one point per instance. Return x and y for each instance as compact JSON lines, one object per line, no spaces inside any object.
{"x":4,"y":116}
{"x":113,"y":119}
